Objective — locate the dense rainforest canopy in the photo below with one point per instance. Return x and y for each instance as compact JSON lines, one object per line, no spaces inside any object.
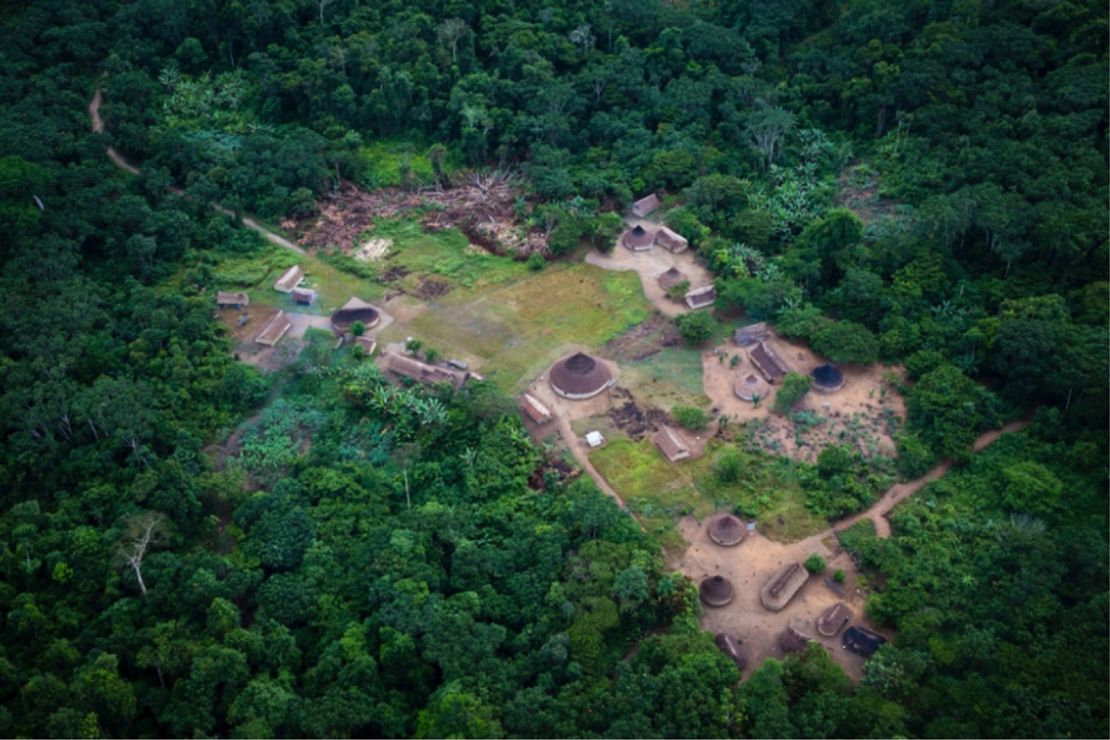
{"x":362,"y":559}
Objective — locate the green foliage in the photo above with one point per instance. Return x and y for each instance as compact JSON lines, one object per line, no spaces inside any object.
{"x":696,"y":327}
{"x":690,"y":417}
{"x":815,"y":564}
{"x":793,"y":389}
{"x":946,"y":409}
{"x":536,"y":262}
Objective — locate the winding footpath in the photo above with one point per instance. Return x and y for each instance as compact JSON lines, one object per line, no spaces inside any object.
{"x":97,"y":125}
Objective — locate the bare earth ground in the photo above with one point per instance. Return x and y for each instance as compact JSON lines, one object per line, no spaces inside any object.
{"x":650,"y":265}
{"x":862,"y":402}
{"x":753,"y":561}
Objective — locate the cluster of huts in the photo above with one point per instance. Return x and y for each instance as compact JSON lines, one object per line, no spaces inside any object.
{"x":642,"y":237}
{"x":769,"y":368}
{"x":784,"y":584}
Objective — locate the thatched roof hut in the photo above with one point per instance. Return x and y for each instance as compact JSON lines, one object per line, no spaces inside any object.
{"x":229,"y":299}
{"x":645,"y":205}
{"x":671,"y":240}
{"x":716,"y":591}
{"x":702,"y":297}
{"x":638,"y":239}
{"x":730,"y":646}
{"x":751,"y":387}
{"x":833,"y":619}
{"x":746,"y":336}
{"x":726,"y":530}
{"x":781,"y":587}
{"x":827,"y":379}
{"x":353,"y":311}
{"x":290,"y":279}
{"x":672,"y":277}
{"x":422,"y":372}
{"x":768,"y":363}
{"x":579,"y":376}
{"x":304,"y":296}
{"x":671,"y":444}
{"x":862,"y":641}
{"x":274,"y":330}
{"x":793,"y":640}
{"x":532,"y":408}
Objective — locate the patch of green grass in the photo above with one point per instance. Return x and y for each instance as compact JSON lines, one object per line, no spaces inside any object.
{"x":671,"y":377}
{"x":383,"y":165}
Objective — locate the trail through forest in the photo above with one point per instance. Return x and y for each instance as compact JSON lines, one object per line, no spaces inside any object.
{"x":97,"y":124}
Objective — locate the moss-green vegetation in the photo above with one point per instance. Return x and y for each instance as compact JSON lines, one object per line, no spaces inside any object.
{"x":670,"y":377}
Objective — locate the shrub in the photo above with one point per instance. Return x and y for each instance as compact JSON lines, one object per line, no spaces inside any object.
{"x":678,"y":290}
{"x":815,"y":563}
{"x":536,"y":262}
{"x":690,"y":417}
{"x":838,"y":576}
{"x":794,"y":388}
{"x":728,"y":466}
{"x":358,"y":328}
{"x":695,"y":327}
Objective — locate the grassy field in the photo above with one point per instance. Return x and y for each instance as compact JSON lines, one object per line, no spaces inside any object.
{"x":520,"y":328}
{"x":670,"y":377}
{"x":659,"y":492}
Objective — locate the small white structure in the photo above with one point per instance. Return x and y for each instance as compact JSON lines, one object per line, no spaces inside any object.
{"x":292,"y":277}
{"x":594,"y":439}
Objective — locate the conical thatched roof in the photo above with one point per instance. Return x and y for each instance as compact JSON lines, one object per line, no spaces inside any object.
{"x":726,"y":530}
{"x":716,"y":591}
{"x":638,"y":238}
{"x":827,"y":378}
{"x":354,"y":310}
{"x":750,"y":386}
{"x":672,"y":277}
{"x":579,"y":376}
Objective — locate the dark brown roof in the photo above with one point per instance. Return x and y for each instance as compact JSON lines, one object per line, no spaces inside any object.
{"x":646,"y":205}
{"x":833,"y":619}
{"x":749,"y":335}
{"x":579,"y":376}
{"x":731,"y":647}
{"x":701,"y":297}
{"x":727,"y":530}
{"x":638,"y":237}
{"x":304,"y":295}
{"x":862,"y":641}
{"x":408,"y":367}
{"x":354,"y":310}
{"x":227,"y":298}
{"x":768,"y":362}
{"x":672,"y":277}
{"x":793,"y":640}
{"x":670,"y":240}
{"x":716,"y":591}
{"x":670,"y":444}
{"x":534,"y":410}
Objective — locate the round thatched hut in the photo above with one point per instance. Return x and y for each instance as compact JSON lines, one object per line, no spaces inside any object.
{"x":638,"y":239}
{"x":827,"y":379}
{"x":672,"y":277}
{"x":579,"y":376}
{"x":727,"y":530}
{"x":353,"y":311}
{"x":716,"y":591}
{"x":751,"y":387}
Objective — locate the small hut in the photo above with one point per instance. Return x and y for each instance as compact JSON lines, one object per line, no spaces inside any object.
{"x":716,"y":591}
{"x":274,"y":330}
{"x":226,"y":299}
{"x":746,"y":336}
{"x":701,"y":297}
{"x":793,"y":640}
{"x":672,"y":277}
{"x":827,"y":379}
{"x":670,"y":444}
{"x":534,"y":410}
{"x":422,"y":372}
{"x":671,"y":240}
{"x":833,"y":619}
{"x":638,"y":239}
{"x":645,"y":205}
{"x":354,"y":310}
{"x":768,"y":363}
{"x":726,"y":530}
{"x":304,"y":296}
{"x":782,"y":586}
{"x":862,"y":641}
{"x":579,"y":376}
{"x":750,"y":387}
{"x":368,"y":344}
{"x":290,"y":279}
{"x":730,"y":646}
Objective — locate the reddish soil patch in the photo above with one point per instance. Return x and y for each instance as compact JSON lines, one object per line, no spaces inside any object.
{"x":393,"y":274}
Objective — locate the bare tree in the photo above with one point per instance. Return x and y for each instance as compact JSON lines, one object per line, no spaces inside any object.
{"x":143,"y":531}
{"x":322,"y":4}
{"x":451,"y":30}
{"x":583,"y":37}
{"x":767,"y":127}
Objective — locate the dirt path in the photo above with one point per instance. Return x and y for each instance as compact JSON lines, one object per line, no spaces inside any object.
{"x":97,"y":125}
{"x":751,"y":563}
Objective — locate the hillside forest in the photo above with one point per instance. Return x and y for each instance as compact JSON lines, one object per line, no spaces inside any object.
{"x":190,"y":546}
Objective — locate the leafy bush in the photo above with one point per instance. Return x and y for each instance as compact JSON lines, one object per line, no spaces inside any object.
{"x":728,"y":466}
{"x":815,"y":563}
{"x":696,"y":326}
{"x":690,"y":417}
{"x":794,"y":387}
